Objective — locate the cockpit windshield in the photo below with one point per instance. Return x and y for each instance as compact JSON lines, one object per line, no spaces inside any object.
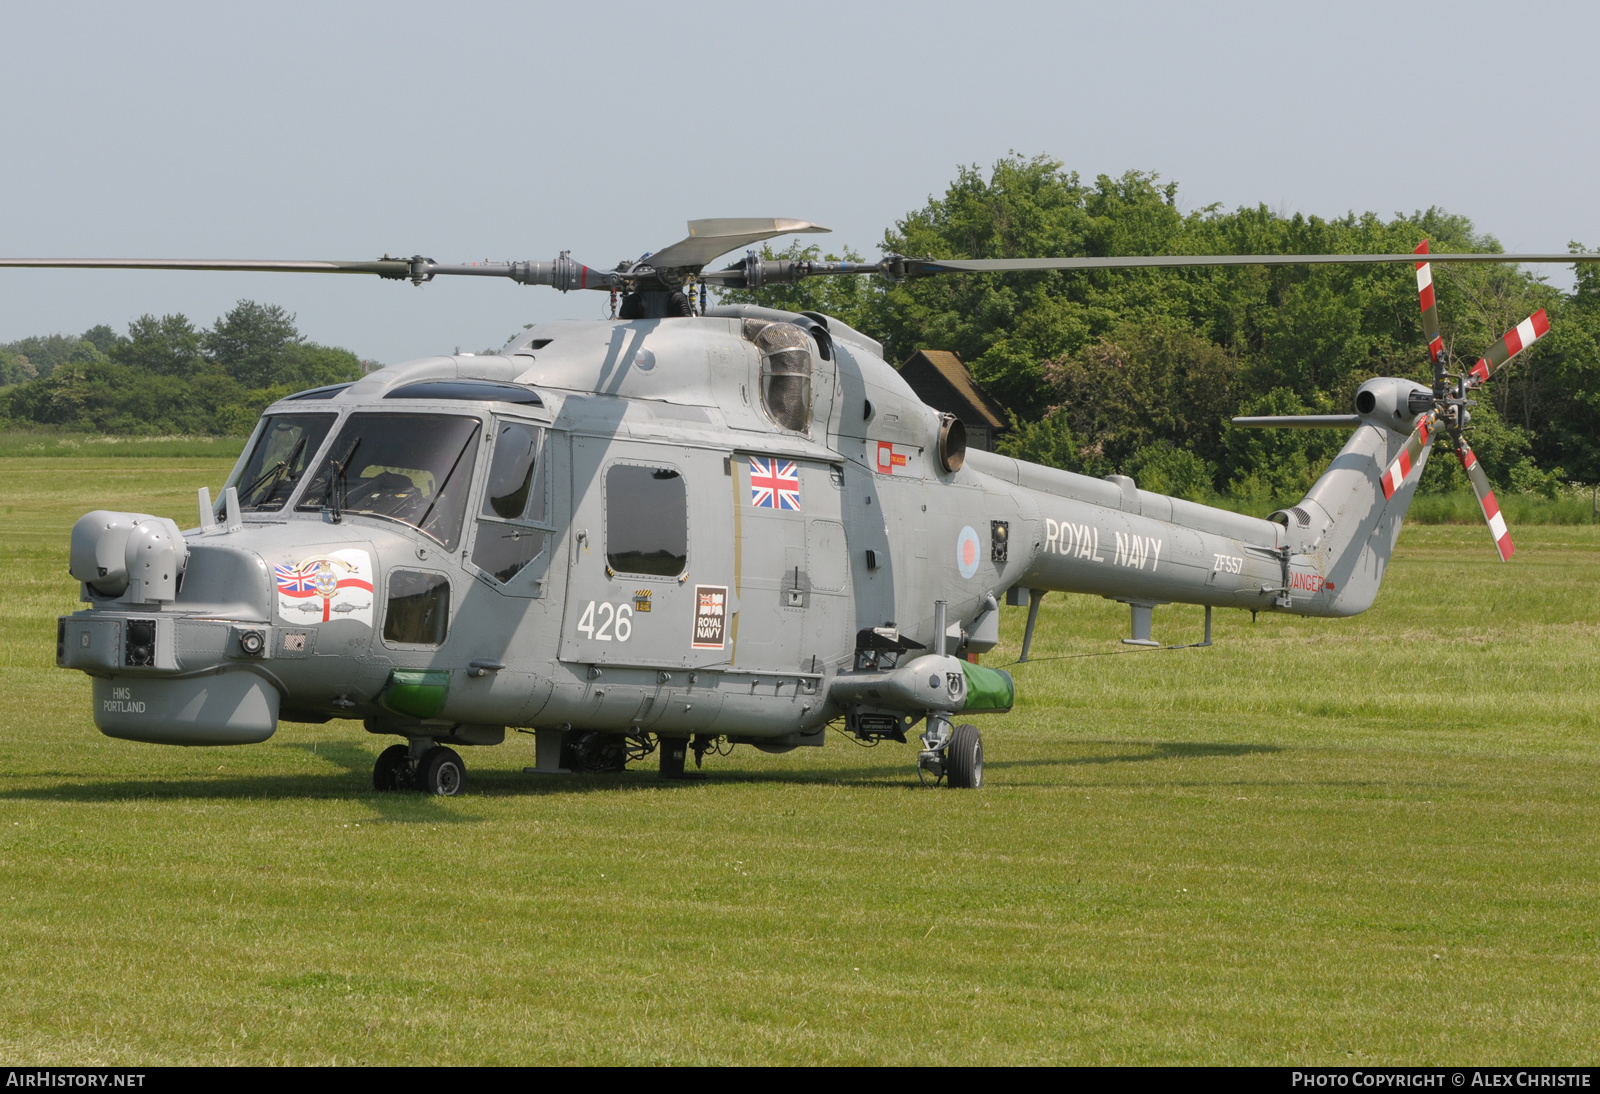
{"x":286,"y":445}
{"x":414,"y":468}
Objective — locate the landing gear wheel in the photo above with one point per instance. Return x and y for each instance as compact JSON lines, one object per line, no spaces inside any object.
{"x":441,"y":772}
{"x":964,"y":758}
{"x":389,"y":773}
{"x":594,"y":753}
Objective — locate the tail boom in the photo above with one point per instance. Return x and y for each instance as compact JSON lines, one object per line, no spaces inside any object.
{"x":1325,"y":556}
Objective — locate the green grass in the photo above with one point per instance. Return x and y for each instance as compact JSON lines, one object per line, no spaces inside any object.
{"x":55,"y":444}
{"x":1368,"y":840}
{"x":1573,"y":507}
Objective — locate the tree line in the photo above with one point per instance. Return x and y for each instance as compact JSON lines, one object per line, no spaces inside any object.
{"x":166,"y":376}
{"x":1138,"y":371}
{"x":1133,"y":371}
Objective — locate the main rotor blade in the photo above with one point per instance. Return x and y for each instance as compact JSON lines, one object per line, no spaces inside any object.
{"x":395,"y":268}
{"x":1298,"y":421}
{"x":1486,"y":501}
{"x":563,"y":272}
{"x":1421,"y":437}
{"x":710,"y":238}
{"x":1430,"y":307}
{"x":923,"y":267}
{"x":1513,"y":342}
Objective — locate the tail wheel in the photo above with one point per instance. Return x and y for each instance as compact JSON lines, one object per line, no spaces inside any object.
{"x":964,"y":758}
{"x":390,"y":770}
{"x":441,"y":772}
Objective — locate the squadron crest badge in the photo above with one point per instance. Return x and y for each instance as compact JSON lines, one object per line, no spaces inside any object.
{"x":321,"y":588}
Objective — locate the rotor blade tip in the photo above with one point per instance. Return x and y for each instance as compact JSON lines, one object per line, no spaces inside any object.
{"x":798,"y":225}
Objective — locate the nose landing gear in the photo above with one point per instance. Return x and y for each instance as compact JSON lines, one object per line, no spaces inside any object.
{"x":422,"y":765}
{"x":956,"y":755}
{"x":965,"y":758}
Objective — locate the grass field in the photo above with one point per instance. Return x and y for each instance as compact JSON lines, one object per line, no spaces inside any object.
{"x":1369,"y":840}
{"x":54,"y":444}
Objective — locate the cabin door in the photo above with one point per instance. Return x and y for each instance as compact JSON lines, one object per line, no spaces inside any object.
{"x":650,"y":564}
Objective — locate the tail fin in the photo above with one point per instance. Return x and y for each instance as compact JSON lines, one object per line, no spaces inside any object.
{"x":1345,"y":523}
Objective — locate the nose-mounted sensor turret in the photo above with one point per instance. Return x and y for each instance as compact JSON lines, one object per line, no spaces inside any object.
{"x":131,"y":557}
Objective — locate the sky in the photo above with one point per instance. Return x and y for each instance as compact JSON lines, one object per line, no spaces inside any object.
{"x":517,"y":130}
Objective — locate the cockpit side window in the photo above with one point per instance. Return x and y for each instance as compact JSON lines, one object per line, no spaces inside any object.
{"x":412,"y":468}
{"x":286,"y":445}
{"x":513,"y":496}
{"x":515,"y":490}
{"x":419,"y":608}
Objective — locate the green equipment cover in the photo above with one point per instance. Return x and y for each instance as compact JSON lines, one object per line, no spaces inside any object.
{"x":421,"y":694}
{"x":988,"y":689}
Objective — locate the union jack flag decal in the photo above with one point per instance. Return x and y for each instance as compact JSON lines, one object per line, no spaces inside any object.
{"x":774,"y":484}
{"x":295,"y":581}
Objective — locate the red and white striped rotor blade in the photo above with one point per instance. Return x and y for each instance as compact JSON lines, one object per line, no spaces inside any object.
{"x":1525,"y":334}
{"x":1486,"y":501}
{"x":1421,"y":437}
{"x":1430,"y":306}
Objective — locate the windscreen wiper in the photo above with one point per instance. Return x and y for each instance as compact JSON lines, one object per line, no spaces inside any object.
{"x":333,"y":496}
{"x":271,"y":476}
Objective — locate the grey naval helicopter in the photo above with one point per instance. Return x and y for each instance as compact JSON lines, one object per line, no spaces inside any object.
{"x":685,"y":527}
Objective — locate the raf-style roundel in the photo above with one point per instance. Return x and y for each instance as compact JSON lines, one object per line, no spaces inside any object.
{"x":967,"y":552}
{"x":774,"y":484}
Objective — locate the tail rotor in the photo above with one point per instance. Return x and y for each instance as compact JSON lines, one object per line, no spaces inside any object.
{"x":1421,"y":437}
{"x":1486,"y":500}
{"x":1449,"y":411}
{"x":1513,"y":342}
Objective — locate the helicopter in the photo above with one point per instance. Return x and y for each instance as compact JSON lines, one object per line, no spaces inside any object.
{"x":687,"y":527}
